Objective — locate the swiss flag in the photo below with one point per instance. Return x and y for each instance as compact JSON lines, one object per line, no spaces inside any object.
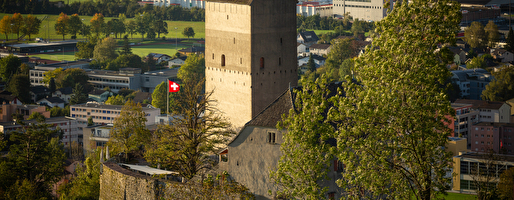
{"x":173,"y":87}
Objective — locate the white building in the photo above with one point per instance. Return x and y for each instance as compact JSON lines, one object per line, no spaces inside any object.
{"x":368,"y":10}
{"x":72,"y":132}
{"x":310,"y":8}
{"x":182,"y":3}
{"x":105,"y":114}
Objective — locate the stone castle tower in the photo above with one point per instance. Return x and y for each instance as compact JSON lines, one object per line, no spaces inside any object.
{"x":250,"y":54}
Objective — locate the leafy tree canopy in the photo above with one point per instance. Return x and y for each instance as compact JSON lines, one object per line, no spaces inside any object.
{"x":502,"y":87}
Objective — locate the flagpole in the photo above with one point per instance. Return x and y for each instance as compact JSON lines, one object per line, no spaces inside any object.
{"x":168,"y":99}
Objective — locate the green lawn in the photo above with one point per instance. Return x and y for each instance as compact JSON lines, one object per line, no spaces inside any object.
{"x":69,"y":56}
{"x":47,"y":29}
{"x":158,"y":48}
{"x":458,"y":196}
{"x":320,"y":32}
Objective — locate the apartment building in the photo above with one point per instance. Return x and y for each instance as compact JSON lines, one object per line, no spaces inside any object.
{"x":69,"y":126}
{"x":105,"y":114}
{"x":465,"y":117}
{"x":310,"y":8}
{"x":181,"y":3}
{"x":466,"y":167}
{"x":130,"y":78}
{"x":96,"y":136}
{"x":472,"y":82}
{"x":36,"y":75}
{"x":498,"y":137}
{"x":368,"y":10}
{"x":489,"y":111}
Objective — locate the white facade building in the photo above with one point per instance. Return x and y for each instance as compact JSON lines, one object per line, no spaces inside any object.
{"x":368,"y":10}
{"x":181,"y":3}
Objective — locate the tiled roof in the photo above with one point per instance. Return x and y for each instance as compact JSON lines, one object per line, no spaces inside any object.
{"x":319,"y":46}
{"x":478,"y":104}
{"x":309,"y":36}
{"x":273,"y":113}
{"x":97,"y":92}
{"x":54,"y":100}
{"x":141,"y":96}
{"x":39,"y":89}
{"x":66,"y":90}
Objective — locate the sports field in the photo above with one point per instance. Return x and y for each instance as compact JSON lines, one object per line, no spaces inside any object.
{"x":47,"y":29}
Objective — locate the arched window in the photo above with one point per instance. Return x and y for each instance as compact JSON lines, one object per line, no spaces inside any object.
{"x":222,"y":60}
{"x":262,"y":62}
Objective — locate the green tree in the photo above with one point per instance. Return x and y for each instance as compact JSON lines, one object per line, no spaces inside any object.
{"x":159,"y":98}
{"x":475,"y":35}
{"x":129,"y":130}
{"x":86,"y":185}
{"x":502,"y":87}
{"x":126,"y":49}
{"x":389,"y":151}
{"x":48,"y":75}
{"x":391,"y":123}
{"x":85,"y":30}
{"x":126,"y":60}
{"x":188,"y":32}
{"x":305,"y":154}
{"x":74,"y":25}
{"x":115,"y":100}
{"x":160,"y":26}
{"x":37,"y":116}
{"x":143,"y":21}
{"x":510,"y":41}
{"x":493,"y":36}
{"x":341,"y":50}
{"x":34,"y":162}
{"x":61,"y":26}
{"x":184,"y":145}
{"x":357,"y":27}
{"x":9,"y":67}
{"x":193,"y":66}
{"x":105,"y":50}
{"x":346,"y":69}
{"x":311,"y":65}
{"x":131,"y":27}
{"x":90,"y":121}
{"x":17,"y":23}
{"x":78,"y":95}
{"x":97,"y":22}
{"x":31,"y":26}
{"x":19,"y":86}
{"x":506,"y":184}
{"x":52,"y":85}
{"x":71,"y":77}
{"x":58,"y":112}
{"x":476,"y":62}
{"x":5,"y":26}
{"x":86,"y":49}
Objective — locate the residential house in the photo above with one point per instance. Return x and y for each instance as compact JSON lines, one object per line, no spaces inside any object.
{"x":459,"y":55}
{"x":301,"y":49}
{"x":38,"y":92}
{"x":177,"y":61}
{"x":256,"y":149}
{"x":100,"y":95}
{"x":159,"y":57}
{"x":64,"y":93}
{"x":105,"y":114}
{"x":320,"y":49}
{"x":51,"y":102}
{"x":69,"y":127}
{"x":26,"y":110}
{"x":511,"y":103}
{"x":466,"y":166}
{"x":142,"y":97}
{"x":498,"y":137}
{"x":192,"y":50}
{"x":318,"y":60}
{"x":502,"y":55}
{"x":489,"y":111}
{"x":6,"y":97}
{"x":96,"y":136}
{"x":472,"y":82}
{"x":307,"y":38}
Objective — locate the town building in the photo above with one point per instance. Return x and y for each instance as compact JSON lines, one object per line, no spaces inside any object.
{"x":301,"y":49}
{"x":96,"y":136}
{"x":472,"y":82}
{"x":310,"y":8}
{"x":320,"y":49}
{"x":99,"y":96}
{"x":457,"y":145}
{"x":250,"y":56}
{"x":51,"y":102}
{"x":105,"y":114}
{"x":70,"y":129}
{"x":255,"y":151}
{"x":68,"y":45}
{"x":467,"y":165}
{"x":26,"y":110}
{"x":489,"y":111}
{"x":130,"y":78}
{"x":368,"y":10}
{"x":181,"y":3}
{"x":307,"y":38}
{"x":64,"y":94}
{"x":37,"y":74}
{"x":39,"y":92}
{"x":498,"y":137}
{"x":191,"y":50}
{"x":465,"y":117}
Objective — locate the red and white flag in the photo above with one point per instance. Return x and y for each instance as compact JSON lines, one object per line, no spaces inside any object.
{"x":173,"y":87}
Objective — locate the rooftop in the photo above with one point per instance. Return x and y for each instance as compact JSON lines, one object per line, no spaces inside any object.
{"x":244,"y":2}
{"x":103,"y":106}
{"x":42,"y":44}
{"x":478,"y":104}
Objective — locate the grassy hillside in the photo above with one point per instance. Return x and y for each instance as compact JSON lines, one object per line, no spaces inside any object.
{"x":47,"y":29}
